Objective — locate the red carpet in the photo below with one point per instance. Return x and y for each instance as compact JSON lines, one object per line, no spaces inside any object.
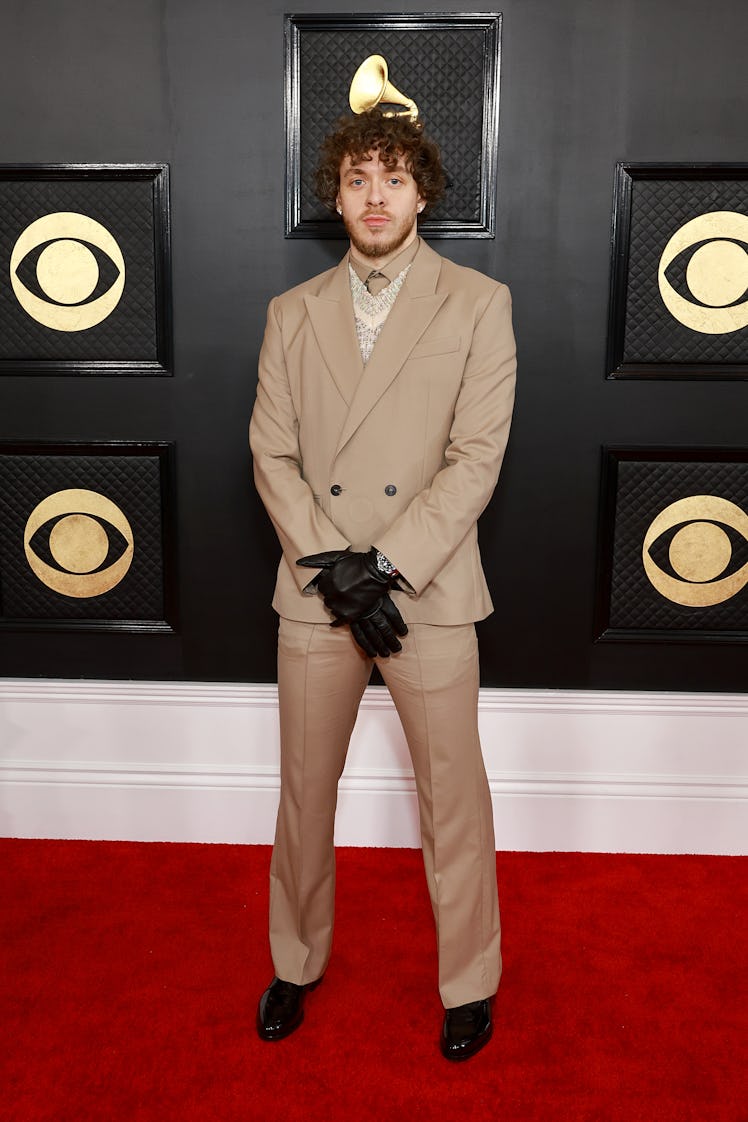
{"x":132,"y":973}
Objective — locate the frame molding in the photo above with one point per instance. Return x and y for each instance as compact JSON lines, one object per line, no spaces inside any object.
{"x":294,"y":28}
{"x":612,"y":456}
{"x":165,"y":452}
{"x":158,"y":175}
{"x":625,"y":176}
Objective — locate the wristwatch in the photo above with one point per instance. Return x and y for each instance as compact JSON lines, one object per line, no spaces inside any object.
{"x":385,"y":565}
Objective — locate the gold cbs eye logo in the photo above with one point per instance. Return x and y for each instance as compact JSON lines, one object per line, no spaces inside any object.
{"x":59,"y":263}
{"x":78,"y":542}
{"x":699,"y":552}
{"x":716,"y":273}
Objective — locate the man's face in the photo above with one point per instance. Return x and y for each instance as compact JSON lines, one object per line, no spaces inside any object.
{"x":379,"y":205}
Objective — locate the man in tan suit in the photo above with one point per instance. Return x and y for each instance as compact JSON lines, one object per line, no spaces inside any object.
{"x":385,"y":395}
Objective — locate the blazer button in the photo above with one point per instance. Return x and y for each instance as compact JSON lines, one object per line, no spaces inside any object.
{"x":336,"y":489}
{"x":390,"y":489}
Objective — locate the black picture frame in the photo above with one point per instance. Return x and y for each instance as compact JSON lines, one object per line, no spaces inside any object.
{"x":647,"y":492}
{"x":652,"y":202}
{"x":469,"y":207}
{"x":130,"y":204}
{"x":138,"y":478}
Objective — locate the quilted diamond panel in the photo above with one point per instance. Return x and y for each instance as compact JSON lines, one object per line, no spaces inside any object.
{"x":133,"y":332}
{"x":645,"y":488}
{"x":126,"y":507}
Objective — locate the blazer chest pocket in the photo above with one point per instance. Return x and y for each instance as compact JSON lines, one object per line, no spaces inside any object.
{"x":429,"y":348}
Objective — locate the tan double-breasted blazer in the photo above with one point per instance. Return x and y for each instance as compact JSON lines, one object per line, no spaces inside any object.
{"x":402,"y":453}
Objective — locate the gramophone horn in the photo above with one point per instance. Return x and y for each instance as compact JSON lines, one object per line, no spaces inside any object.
{"x":370,"y":87}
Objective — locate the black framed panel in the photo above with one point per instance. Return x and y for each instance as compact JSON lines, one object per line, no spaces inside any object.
{"x":674,"y":545}
{"x":679,"y":274}
{"x":86,"y":536}
{"x":86,"y":249}
{"x":447,"y":63}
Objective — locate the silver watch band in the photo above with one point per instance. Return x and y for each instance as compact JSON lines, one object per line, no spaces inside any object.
{"x":385,"y":565}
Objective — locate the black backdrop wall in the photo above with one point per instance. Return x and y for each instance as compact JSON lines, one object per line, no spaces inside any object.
{"x":199,"y":84}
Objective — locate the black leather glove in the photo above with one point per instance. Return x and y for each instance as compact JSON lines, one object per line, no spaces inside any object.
{"x":350,"y":583}
{"x":375,"y":632}
{"x":356,"y":592}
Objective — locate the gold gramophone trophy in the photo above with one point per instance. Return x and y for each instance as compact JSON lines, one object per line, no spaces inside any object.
{"x":370,"y":87}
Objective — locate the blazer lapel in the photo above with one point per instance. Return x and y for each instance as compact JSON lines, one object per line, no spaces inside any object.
{"x":331,"y":317}
{"x":415,"y":307}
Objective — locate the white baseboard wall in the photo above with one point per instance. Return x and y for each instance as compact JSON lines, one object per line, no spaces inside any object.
{"x":193,"y":762}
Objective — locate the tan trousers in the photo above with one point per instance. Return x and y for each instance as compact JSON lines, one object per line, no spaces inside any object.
{"x":322,"y":675}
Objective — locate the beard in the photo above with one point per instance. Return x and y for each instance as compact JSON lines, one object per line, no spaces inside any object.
{"x":381,"y":244}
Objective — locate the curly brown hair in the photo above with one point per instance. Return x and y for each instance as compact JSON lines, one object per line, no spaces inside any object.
{"x":393,"y":137}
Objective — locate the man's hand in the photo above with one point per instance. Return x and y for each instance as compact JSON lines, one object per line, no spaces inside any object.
{"x":356,"y":592}
{"x":350,"y":583}
{"x":375,"y":633}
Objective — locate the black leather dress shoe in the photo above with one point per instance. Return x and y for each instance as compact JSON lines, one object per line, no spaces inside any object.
{"x":466,"y":1029}
{"x":281,"y":1008}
